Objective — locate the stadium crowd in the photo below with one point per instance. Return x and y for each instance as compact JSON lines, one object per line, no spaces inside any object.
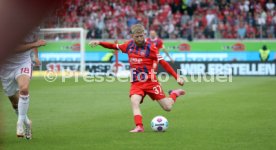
{"x":200,"y":19}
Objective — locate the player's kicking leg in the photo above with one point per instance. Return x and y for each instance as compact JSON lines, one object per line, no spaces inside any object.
{"x":23,"y":106}
{"x":167,"y":103}
{"x":135,"y":104}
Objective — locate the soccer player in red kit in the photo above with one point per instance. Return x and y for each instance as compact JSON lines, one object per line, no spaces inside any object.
{"x":154,"y":39}
{"x":143,"y":59}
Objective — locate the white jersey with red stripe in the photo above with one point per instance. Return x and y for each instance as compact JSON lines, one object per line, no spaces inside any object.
{"x":15,"y":66}
{"x":23,"y":57}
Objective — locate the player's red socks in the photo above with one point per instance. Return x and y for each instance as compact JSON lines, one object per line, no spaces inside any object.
{"x":138,"y":120}
{"x":173,"y":96}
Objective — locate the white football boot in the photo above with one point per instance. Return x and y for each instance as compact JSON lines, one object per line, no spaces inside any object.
{"x":28,"y":129}
{"x":20,"y":129}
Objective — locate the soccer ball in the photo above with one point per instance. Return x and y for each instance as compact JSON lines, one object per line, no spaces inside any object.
{"x":159,"y":124}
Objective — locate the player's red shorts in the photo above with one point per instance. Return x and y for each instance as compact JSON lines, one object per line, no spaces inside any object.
{"x":153,"y":89}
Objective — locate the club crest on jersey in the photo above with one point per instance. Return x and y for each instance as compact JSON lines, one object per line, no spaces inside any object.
{"x":143,"y":52}
{"x":131,"y":50}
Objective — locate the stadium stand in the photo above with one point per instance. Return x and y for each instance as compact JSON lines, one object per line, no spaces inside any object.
{"x":199,"y":19}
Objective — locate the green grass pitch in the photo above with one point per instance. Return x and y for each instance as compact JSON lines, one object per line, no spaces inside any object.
{"x":212,"y":116}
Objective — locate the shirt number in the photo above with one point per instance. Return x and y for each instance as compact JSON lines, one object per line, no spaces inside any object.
{"x":25,"y":70}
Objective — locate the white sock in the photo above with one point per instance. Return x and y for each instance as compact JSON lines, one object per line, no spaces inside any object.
{"x":16,"y":112}
{"x":23,"y":106}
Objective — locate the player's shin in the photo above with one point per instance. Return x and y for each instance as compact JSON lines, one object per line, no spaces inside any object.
{"x":166,"y":103}
{"x":23,"y":106}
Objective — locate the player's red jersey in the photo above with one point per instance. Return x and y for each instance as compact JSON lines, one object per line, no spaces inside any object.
{"x":157,"y":42}
{"x":143,"y":60}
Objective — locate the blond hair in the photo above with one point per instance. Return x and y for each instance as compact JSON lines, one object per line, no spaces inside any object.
{"x":137,"y":28}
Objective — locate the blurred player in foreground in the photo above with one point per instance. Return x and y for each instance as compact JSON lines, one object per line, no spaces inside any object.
{"x":143,"y":58}
{"x":15,"y":75}
{"x":154,"y":39}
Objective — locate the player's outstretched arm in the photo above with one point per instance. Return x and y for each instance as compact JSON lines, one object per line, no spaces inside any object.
{"x":103,"y":44}
{"x":28,"y":46}
{"x":167,"y":54}
{"x":36,"y":58}
{"x":170,"y":70}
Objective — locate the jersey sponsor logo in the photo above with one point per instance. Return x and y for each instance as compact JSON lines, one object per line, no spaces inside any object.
{"x":136,"y":60}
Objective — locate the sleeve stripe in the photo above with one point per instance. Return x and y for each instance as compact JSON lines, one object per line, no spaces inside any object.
{"x":117,"y":45}
{"x":159,"y":57}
